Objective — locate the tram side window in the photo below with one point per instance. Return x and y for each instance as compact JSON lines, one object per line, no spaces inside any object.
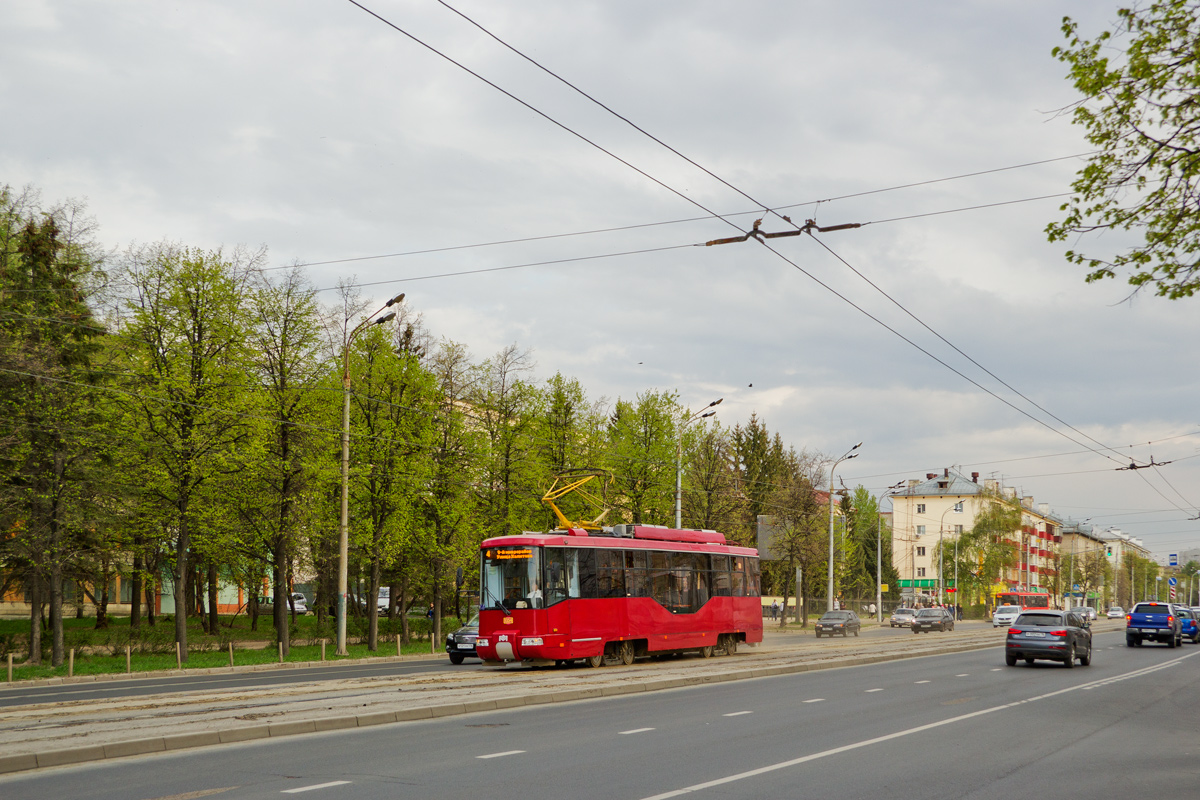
{"x":702,"y":581}
{"x":679,"y":597}
{"x":660,"y":571}
{"x":753,"y":585}
{"x":738,"y":575}
{"x":721,"y":586}
{"x":556,"y":575}
{"x":637,"y":579}
{"x":610,"y":573}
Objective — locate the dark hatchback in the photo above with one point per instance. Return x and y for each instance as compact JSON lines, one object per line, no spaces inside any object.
{"x":932,"y":619}
{"x":833,"y":622}
{"x":461,"y":643}
{"x":1050,"y":635}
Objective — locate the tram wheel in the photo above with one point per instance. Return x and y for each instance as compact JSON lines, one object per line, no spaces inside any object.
{"x":706,"y":652}
{"x":625,"y":653}
{"x":595,"y":661}
{"x":731,"y":644}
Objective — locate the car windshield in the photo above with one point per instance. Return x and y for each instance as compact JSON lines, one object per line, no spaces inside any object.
{"x":473,"y":622}
{"x":1039,"y":620}
{"x":901,"y":611}
{"x":1007,"y":610}
{"x":836,"y":616}
{"x":929,"y":612}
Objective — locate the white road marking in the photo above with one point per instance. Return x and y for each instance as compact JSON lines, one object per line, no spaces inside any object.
{"x":505,"y":753}
{"x":737,"y":713}
{"x":635,"y":730}
{"x":816,"y":700}
{"x":314,"y":786}
{"x":920,"y":681}
{"x":874,"y":690}
{"x":997,"y":669}
{"x":962,"y":675}
{"x":741,"y":776}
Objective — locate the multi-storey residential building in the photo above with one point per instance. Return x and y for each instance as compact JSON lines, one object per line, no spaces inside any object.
{"x":941,"y":508}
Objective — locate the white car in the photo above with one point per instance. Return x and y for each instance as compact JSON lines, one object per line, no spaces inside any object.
{"x":1004,"y":615}
{"x":1115,"y":612}
{"x":1089,"y":611}
{"x":300,"y":602}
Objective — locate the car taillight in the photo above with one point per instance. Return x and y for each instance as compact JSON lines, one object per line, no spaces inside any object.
{"x":1128,"y":618}
{"x":1058,"y":633}
{"x":1170,"y":620}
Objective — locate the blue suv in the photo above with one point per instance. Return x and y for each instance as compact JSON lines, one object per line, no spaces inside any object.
{"x":1189,"y":625}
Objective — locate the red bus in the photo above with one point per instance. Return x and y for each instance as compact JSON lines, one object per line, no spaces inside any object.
{"x":1024,"y":599}
{"x":617,"y":593}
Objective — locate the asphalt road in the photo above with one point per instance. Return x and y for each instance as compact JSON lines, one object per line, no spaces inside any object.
{"x":952,"y":726}
{"x":137,"y":687}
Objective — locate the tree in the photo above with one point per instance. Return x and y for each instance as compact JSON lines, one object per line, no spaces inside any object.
{"x":48,"y":417}
{"x":286,"y":366}
{"x":985,"y":552}
{"x":641,"y":455}
{"x":1140,"y":110}
{"x":185,"y":335}
{"x":798,"y":519}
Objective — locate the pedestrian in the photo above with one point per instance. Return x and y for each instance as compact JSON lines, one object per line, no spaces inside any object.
{"x":871,"y":609}
{"x":774,"y":609}
{"x":958,"y":610}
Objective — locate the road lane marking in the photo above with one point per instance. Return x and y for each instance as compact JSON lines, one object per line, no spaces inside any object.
{"x":635,"y":730}
{"x":920,"y":681}
{"x":737,"y":713}
{"x":907,"y":732}
{"x":505,"y":753}
{"x":314,"y":786}
{"x":816,"y":700}
{"x":997,"y":669}
{"x":874,"y":690}
{"x":963,"y":675}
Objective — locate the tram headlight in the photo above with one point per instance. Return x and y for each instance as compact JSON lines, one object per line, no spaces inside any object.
{"x":531,"y":641}
{"x":481,"y":642}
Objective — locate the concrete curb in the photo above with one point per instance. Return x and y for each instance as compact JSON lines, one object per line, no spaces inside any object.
{"x":134,"y":747}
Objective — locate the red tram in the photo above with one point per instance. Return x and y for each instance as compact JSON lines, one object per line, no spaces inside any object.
{"x":1024,"y":599}
{"x":619,"y":593}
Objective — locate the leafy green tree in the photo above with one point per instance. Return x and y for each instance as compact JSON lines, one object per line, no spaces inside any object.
{"x":48,"y":418}
{"x":1140,"y":84}
{"x":505,"y":406}
{"x":708,"y":500}
{"x":392,"y":416}
{"x":798,"y":519}
{"x":286,"y":366}
{"x":641,"y":456}
{"x":865,"y":535}
{"x":761,"y":468}
{"x":185,"y":330}
{"x":984,"y":551}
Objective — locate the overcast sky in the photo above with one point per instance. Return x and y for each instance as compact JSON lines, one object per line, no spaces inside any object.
{"x":316,"y":130}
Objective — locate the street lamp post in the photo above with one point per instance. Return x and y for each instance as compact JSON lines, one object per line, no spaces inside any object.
{"x":849,"y":455}
{"x":879,"y":553}
{"x":701,"y":414}
{"x":956,"y":508}
{"x":344,"y":526}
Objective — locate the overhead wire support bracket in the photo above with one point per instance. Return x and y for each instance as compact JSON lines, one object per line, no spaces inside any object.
{"x":808,"y":227}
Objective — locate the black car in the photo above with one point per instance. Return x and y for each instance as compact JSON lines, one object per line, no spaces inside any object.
{"x":842,"y":622}
{"x":932,"y":619}
{"x":1064,"y":636}
{"x":461,"y":643}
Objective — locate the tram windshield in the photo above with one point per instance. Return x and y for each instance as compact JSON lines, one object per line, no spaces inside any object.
{"x":511,"y":577}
